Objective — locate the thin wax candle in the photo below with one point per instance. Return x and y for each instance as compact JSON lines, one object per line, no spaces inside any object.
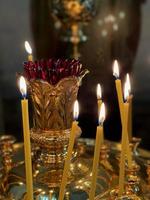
{"x":69,"y":152}
{"x":118,"y":88}
{"x":125,"y":143}
{"x":98,"y":143}
{"x":121,"y":107}
{"x":27,"y":144}
{"x":99,"y":97}
{"x":29,"y":50}
{"x":130,"y":100}
{"x":123,"y":150}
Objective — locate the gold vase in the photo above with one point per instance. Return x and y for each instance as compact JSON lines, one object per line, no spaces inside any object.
{"x":53,"y":104}
{"x":52,"y":120}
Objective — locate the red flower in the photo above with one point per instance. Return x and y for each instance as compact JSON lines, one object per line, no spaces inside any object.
{"x":52,"y":70}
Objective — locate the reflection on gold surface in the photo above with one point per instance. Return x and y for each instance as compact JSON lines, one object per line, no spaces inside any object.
{"x":80,"y":172}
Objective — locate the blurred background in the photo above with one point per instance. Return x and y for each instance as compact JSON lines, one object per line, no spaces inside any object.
{"x":111,"y":29}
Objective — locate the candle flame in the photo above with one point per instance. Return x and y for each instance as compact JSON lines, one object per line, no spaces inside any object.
{"x":102,"y":114}
{"x":116,"y":69}
{"x":51,"y":191}
{"x":128,"y":83}
{"x":126,"y":91}
{"x":23,"y":86}
{"x":99,"y":91}
{"x":28,"y":47}
{"x":76,"y":110}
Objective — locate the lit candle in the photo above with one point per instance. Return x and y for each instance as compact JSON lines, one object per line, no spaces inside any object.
{"x":69,"y":153}
{"x":125,"y":149}
{"x":98,"y":143}
{"x":127,"y":91}
{"x":27,"y":144}
{"x":118,"y":88}
{"x":99,"y":97}
{"x":51,"y":194}
{"x":121,"y":103}
{"x":130,"y":100}
{"x":29,"y":50}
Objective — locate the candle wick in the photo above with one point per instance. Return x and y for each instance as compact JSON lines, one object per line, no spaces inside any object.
{"x":101,"y":123}
{"x":116,"y":75}
{"x":126,"y":100}
{"x":24,"y":96}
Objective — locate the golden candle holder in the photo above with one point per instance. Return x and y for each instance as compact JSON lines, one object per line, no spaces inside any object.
{"x":53,"y":86}
{"x":79,"y":181}
{"x":134,"y":143}
{"x":133,"y":182}
{"x":7,"y":151}
{"x":133,"y":188}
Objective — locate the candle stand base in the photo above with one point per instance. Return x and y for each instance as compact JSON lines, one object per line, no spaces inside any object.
{"x":135,"y":142}
{"x":79,"y":181}
{"x":49,"y":152}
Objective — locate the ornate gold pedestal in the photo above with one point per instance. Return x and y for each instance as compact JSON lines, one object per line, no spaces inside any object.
{"x":80,"y":173}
